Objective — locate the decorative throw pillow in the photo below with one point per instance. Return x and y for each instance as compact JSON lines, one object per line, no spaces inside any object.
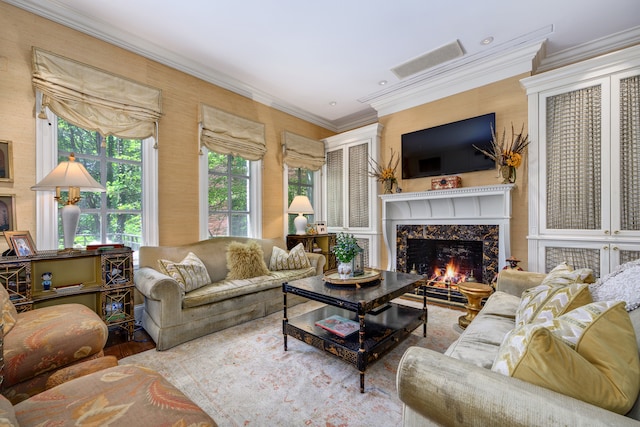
{"x":561,"y":291}
{"x":589,"y":353}
{"x":622,"y":284}
{"x":295,"y":259}
{"x":190,"y":273}
{"x":245,"y":261}
{"x":9,"y":312}
{"x":563,"y":274}
{"x":545,"y":302}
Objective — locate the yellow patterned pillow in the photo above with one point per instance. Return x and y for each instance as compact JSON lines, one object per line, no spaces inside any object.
{"x":293,"y":260}
{"x":561,"y":291}
{"x":190,"y":273}
{"x":589,"y":353}
{"x":245,"y":261}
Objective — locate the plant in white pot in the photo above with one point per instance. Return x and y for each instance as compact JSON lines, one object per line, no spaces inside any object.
{"x":345,"y":249}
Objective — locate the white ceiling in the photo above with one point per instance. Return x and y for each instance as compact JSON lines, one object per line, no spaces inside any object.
{"x":302,"y":56}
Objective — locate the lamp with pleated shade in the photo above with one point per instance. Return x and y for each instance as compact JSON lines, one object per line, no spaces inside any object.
{"x":73,"y":177}
{"x":301,"y":206}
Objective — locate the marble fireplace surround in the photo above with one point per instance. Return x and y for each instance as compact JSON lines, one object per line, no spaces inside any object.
{"x":450,"y":214}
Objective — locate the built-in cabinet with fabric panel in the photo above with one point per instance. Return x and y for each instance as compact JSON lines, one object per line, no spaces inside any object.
{"x":584,"y":163}
{"x":350,"y":195}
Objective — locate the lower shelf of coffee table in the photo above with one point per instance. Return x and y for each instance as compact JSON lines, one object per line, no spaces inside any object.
{"x":383,"y":332}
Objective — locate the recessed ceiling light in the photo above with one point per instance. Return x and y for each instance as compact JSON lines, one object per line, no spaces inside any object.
{"x":382,"y":82}
{"x":486,"y":40}
{"x":333,"y":103}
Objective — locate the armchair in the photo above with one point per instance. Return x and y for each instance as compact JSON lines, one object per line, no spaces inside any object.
{"x":39,"y":342}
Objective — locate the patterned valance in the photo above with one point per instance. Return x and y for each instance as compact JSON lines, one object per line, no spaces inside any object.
{"x":227,"y":133}
{"x":94,"y":99}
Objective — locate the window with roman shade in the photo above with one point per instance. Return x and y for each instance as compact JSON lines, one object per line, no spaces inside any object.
{"x":95,"y":100}
{"x":302,"y":152}
{"x":227,"y":133}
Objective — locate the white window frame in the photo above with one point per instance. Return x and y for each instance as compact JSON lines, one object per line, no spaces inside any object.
{"x":316,"y":203}
{"x":255,"y":196}
{"x":47,"y":208}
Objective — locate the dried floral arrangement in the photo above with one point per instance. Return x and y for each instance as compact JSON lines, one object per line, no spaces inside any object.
{"x":507,"y":153}
{"x":385,"y":173}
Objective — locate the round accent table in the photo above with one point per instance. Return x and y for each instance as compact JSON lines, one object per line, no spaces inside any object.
{"x":474,"y":292}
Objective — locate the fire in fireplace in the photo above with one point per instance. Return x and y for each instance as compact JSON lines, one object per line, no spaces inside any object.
{"x":468,"y":252}
{"x":450,"y":261}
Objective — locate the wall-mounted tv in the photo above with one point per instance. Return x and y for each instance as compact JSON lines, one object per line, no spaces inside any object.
{"x":448,"y":149}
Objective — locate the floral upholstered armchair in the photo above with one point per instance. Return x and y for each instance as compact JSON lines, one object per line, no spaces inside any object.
{"x":39,"y":342}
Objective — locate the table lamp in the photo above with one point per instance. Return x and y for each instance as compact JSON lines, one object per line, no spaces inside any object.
{"x":301,"y":205}
{"x":73,"y":176}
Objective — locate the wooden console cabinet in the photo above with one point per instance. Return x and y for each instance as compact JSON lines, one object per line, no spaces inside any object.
{"x":316,"y":243}
{"x":106,"y":278}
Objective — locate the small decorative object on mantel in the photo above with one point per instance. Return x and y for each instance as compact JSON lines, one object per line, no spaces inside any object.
{"x":385,"y":174}
{"x":507,"y":155}
{"x":446,"y":182}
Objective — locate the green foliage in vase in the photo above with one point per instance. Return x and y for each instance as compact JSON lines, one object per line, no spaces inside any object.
{"x":346,"y":247}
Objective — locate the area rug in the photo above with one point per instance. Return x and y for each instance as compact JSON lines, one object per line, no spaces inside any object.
{"x":242,"y":376}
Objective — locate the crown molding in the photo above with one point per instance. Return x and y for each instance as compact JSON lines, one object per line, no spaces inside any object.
{"x":473,"y":74}
{"x":584,"y":71}
{"x":592,"y":49}
{"x":105,"y":32}
{"x":516,"y":57}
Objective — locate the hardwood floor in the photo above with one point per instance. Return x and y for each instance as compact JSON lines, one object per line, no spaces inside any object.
{"x":118,"y":346}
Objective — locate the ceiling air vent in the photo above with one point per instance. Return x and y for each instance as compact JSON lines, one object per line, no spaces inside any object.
{"x":428,"y":60}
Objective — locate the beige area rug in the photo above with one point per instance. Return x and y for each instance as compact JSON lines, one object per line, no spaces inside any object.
{"x":243,"y":377}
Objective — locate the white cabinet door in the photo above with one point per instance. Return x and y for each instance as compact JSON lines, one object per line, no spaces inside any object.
{"x":584,"y":163}
{"x":350,"y":195}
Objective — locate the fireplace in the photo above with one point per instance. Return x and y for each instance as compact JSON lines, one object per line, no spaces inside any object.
{"x":468,"y":252}
{"x":445,"y":260}
{"x":428,"y":227}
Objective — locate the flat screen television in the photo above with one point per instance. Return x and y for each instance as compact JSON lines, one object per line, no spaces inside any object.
{"x":448,"y":149}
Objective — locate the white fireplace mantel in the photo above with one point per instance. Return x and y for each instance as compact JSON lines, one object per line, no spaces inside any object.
{"x":484,"y":205}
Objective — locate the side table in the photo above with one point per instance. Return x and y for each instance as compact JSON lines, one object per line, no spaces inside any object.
{"x":474,"y":292}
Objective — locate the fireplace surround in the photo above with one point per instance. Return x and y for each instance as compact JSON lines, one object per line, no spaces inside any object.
{"x":480,"y":214}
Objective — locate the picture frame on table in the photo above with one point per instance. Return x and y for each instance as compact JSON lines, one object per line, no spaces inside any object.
{"x":7,"y":213}
{"x":21,"y":243}
{"x":6,"y":161}
{"x":321,"y":228}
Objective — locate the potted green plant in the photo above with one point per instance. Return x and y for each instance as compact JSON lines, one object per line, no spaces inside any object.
{"x":345,"y":250}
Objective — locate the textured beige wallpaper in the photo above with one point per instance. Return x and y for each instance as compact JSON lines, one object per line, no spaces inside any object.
{"x":509,"y":101}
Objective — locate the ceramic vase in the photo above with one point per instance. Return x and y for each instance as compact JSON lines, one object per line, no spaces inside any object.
{"x":344,"y":270}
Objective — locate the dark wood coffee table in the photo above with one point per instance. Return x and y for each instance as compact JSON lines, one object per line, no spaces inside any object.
{"x":382,"y":324}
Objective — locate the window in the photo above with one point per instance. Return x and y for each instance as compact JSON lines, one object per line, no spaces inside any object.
{"x":231,"y":204}
{"x":300,"y":183}
{"x":126,"y":213}
{"x":114,"y":216}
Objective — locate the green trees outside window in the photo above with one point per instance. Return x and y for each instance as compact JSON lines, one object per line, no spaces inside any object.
{"x":300,"y":183}
{"x":114,"y":216}
{"x":229,"y":190}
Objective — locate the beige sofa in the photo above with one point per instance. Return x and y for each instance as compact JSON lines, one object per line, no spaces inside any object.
{"x":459,"y":388}
{"x":172,"y":316}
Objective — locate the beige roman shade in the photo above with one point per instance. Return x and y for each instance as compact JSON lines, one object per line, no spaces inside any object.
{"x":226,"y":133}
{"x":94,"y":99}
{"x":302,"y":152}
